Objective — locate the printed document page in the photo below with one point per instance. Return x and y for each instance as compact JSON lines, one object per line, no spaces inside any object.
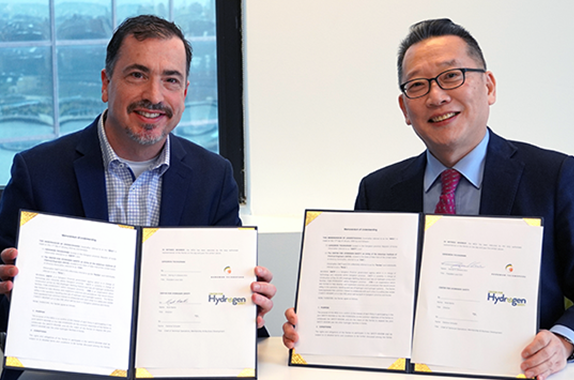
{"x":356,"y":284}
{"x":478,"y":293}
{"x":196,"y":317}
{"x":71,"y":306}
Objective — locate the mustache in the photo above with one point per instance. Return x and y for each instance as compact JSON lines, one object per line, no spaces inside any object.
{"x":150,"y":106}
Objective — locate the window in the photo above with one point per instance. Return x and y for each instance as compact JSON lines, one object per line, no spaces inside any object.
{"x":52,"y":52}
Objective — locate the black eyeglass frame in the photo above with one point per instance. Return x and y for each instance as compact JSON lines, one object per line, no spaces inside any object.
{"x":464,"y":70}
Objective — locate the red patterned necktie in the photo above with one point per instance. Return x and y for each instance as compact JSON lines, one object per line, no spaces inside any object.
{"x":449,"y":179}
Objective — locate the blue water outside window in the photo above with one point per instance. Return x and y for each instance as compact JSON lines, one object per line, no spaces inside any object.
{"x":51,"y":55}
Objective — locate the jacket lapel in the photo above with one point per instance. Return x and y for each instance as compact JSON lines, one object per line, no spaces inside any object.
{"x":407,"y":193}
{"x":502,"y":174}
{"x":176,"y":182}
{"x":90,"y":176}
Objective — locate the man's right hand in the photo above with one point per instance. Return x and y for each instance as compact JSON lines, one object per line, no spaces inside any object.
{"x":290,"y":336}
{"x":7,"y":270}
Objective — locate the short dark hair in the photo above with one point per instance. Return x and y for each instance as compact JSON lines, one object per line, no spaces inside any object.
{"x":423,"y":30}
{"x":144,"y":27}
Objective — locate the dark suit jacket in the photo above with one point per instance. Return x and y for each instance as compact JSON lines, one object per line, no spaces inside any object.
{"x":66,"y":176}
{"x":519,"y":179}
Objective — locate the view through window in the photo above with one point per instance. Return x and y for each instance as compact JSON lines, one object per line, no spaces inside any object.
{"x":51,"y":55}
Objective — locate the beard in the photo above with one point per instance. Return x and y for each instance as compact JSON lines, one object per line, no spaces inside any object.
{"x":146,"y":135}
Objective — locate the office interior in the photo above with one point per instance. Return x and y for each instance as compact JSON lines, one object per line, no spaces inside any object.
{"x":321,"y":109}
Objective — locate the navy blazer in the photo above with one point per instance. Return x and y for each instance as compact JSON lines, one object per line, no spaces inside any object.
{"x":519,"y":179}
{"x":66,"y":176}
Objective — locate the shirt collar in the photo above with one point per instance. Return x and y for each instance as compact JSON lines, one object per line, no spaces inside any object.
{"x":110,"y":156}
{"x":470,"y":166}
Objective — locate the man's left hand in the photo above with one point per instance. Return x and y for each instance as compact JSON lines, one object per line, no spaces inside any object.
{"x":546,"y":355}
{"x":263,"y":291}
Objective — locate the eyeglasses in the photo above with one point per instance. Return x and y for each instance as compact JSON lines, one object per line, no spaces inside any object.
{"x":447,"y":80}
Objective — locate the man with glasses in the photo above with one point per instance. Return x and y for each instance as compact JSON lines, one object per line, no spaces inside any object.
{"x":446,"y":95}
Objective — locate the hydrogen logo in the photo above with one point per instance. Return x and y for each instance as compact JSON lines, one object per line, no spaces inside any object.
{"x":509,"y":268}
{"x":227,"y":270}
{"x":499,"y":297}
{"x":221,"y":298}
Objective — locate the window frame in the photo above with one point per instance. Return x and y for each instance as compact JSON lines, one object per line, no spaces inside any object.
{"x":229,"y":50}
{"x":229,"y":28}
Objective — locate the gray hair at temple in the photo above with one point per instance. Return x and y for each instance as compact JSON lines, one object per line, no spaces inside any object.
{"x":144,"y":27}
{"x":423,"y":30}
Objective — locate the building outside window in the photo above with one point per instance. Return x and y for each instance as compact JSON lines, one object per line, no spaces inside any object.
{"x":51,"y":55}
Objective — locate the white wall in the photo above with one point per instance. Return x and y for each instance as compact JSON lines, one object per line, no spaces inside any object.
{"x":321,"y":100}
{"x":321,"y":90}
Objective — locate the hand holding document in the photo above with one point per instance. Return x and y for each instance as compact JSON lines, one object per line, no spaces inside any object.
{"x":72,"y":295}
{"x":85,"y":288}
{"x":480,"y":279}
{"x":195,"y":306}
{"x":474,"y":279}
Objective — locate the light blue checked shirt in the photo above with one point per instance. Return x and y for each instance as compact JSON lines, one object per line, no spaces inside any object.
{"x":132,"y":201}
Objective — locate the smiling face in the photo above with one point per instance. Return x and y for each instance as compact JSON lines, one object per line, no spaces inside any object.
{"x":450,"y":122}
{"x":145,"y":96}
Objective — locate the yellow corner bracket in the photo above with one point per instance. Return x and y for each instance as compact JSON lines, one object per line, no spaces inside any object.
{"x":297,"y":359}
{"x":399,"y":365}
{"x":247,"y":372}
{"x":13,"y":362}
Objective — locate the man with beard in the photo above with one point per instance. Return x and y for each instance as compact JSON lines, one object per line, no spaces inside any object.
{"x":126,"y":167}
